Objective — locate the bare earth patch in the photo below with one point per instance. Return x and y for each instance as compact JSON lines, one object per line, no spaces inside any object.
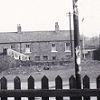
{"x":89,"y":67}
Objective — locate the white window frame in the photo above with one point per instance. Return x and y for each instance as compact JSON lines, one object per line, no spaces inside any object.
{"x":67,"y":48}
{"x":53,"y":48}
{"x":27,"y":48}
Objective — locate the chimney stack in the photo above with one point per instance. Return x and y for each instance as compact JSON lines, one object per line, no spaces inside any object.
{"x":18,"y":28}
{"x":56,"y":27}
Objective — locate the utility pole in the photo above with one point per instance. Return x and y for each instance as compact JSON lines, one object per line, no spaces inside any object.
{"x":70,"y":34}
{"x":83,"y":50}
{"x":99,"y":41}
{"x":77,"y":49}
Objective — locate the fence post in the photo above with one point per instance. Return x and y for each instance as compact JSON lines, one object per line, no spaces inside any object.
{"x":31,"y":86}
{"x":3,"y":86}
{"x":72,"y":85}
{"x":58,"y":84}
{"x":45,"y":86}
{"x":17,"y":85}
{"x":98,"y":85}
{"x":86,"y":85}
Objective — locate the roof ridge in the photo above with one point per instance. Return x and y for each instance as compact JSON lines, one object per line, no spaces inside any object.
{"x":45,"y":31}
{"x":7,"y":32}
{"x":34,"y":31}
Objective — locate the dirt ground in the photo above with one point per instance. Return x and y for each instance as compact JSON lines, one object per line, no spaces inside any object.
{"x":88,"y":67}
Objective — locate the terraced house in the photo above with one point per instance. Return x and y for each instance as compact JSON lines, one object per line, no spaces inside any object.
{"x":38,"y":45}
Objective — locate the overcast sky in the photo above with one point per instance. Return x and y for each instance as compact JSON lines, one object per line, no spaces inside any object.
{"x":36,"y":15}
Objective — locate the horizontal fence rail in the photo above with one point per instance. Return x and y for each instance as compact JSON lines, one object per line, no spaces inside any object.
{"x":50,"y":93}
{"x":45,"y":92}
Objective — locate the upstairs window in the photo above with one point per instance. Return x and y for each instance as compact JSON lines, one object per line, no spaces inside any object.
{"x":27,"y":46}
{"x":53,"y":48}
{"x":27,"y":49}
{"x":67,"y":47}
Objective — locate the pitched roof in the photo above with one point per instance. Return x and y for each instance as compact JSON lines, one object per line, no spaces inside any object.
{"x":26,"y":36}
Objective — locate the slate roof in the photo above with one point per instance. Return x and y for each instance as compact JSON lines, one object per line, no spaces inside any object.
{"x":26,"y":36}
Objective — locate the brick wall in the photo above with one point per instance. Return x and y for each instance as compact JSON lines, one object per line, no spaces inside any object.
{"x":42,"y":49}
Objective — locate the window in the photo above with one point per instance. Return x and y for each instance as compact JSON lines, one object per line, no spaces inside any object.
{"x":37,"y":58}
{"x":67,"y":47}
{"x":27,"y":49}
{"x":54,"y":58}
{"x":68,"y":56}
{"x":27,"y":45}
{"x":53,"y":48}
{"x":45,"y":57}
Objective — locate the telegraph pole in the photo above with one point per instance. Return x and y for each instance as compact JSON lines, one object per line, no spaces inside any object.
{"x":70,"y":34}
{"x":77,"y":49}
{"x":83,"y":38}
{"x":99,"y":41}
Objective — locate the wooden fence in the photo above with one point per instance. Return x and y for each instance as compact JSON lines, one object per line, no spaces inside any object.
{"x":45,"y":92}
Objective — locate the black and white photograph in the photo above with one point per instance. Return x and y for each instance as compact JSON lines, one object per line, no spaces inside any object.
{"x":49,"y":50}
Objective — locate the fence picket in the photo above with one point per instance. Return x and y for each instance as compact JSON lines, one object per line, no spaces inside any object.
{"x":45,"y":85}
{"x":45,"y":93}
{"x":86,"y":85}
{"x":72,"y":85}
{"x":31,"y":86}
{"x":98,"y":85}
{"x":17,"y":85}
{"x":3,"y":86}
{"x":58,"y":84}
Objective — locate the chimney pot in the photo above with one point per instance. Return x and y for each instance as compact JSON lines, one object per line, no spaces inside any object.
{"x":56,"y":26}
{"x":18,"y":28}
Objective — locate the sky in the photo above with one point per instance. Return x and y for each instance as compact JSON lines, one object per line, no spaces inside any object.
{"x":34,"y":15}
